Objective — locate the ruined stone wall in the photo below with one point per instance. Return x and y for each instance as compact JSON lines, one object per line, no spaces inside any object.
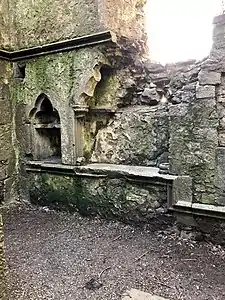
{"x":137,"y":135}
{"x":175,"y":115}
{"x":114,"y":106}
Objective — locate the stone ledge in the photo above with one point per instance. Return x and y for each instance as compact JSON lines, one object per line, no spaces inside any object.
{"x":199,"y":209}
{"x":125,"y":170}
{"x":61,"y":46}
{"x":100,"y":170}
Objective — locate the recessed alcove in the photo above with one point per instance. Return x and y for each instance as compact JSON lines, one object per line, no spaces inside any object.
{"x":46,"y":130}
{"x":19,"y":71}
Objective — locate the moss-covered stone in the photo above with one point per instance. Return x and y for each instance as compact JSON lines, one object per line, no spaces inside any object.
{"x":63,"y":78}
{"x":110,"y":198}
{"x":53,"y":190}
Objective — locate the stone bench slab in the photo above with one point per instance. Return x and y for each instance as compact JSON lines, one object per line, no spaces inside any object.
{"x":104,"y":169}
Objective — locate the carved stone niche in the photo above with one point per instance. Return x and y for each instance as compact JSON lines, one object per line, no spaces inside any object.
{"x":45,"y":130}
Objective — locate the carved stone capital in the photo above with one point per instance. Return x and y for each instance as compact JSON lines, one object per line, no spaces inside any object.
{"x":80,"y":110}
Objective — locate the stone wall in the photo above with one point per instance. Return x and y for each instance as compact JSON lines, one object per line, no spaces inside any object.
{"x":193,"y":131}
{"x":115,"y":108}
{"x":4,"y":25}
{"x":7,"y":153}
{"x":3,"y":294}
{"x":42,"y":22}
{"x":175,"y":114}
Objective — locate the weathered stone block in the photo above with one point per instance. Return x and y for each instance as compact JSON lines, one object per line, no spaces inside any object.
{"x":189,"y":134}
{"x":209,"y":78}
{"x":5,"y":105}
{"x":206,"y":91}
{"x":72,"y":19}
{"x":4,"y":24}
{"x":139,"y":295}
{"x":182,"y":191}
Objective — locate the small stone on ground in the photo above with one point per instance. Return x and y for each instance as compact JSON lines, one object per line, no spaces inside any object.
{"x":139,"y":295}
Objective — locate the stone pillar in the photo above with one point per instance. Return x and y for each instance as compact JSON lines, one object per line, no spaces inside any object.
{"x":79,"y":113}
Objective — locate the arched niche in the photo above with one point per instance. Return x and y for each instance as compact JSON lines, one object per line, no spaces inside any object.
{"x":46,"y":130}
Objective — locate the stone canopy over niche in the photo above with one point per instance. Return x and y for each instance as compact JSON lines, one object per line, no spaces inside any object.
{"x":45,"y":129}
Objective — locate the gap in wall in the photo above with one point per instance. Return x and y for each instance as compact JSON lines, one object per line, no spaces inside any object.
{"x":179,"y":30}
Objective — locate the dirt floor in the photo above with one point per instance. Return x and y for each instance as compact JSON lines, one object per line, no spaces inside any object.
{"x":67,"y":257}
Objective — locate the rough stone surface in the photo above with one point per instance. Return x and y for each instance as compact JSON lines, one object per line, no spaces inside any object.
{"x":2,"y":265}
{"x":4,"y":25}
{"x":220,"y":175}
{"x":137,"y":136}
{"x":150,"y":96}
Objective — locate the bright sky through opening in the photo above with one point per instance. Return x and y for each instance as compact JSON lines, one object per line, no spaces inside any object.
{"x":180,"y":29}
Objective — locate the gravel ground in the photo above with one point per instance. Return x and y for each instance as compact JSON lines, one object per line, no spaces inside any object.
{"x":60,"y":256}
